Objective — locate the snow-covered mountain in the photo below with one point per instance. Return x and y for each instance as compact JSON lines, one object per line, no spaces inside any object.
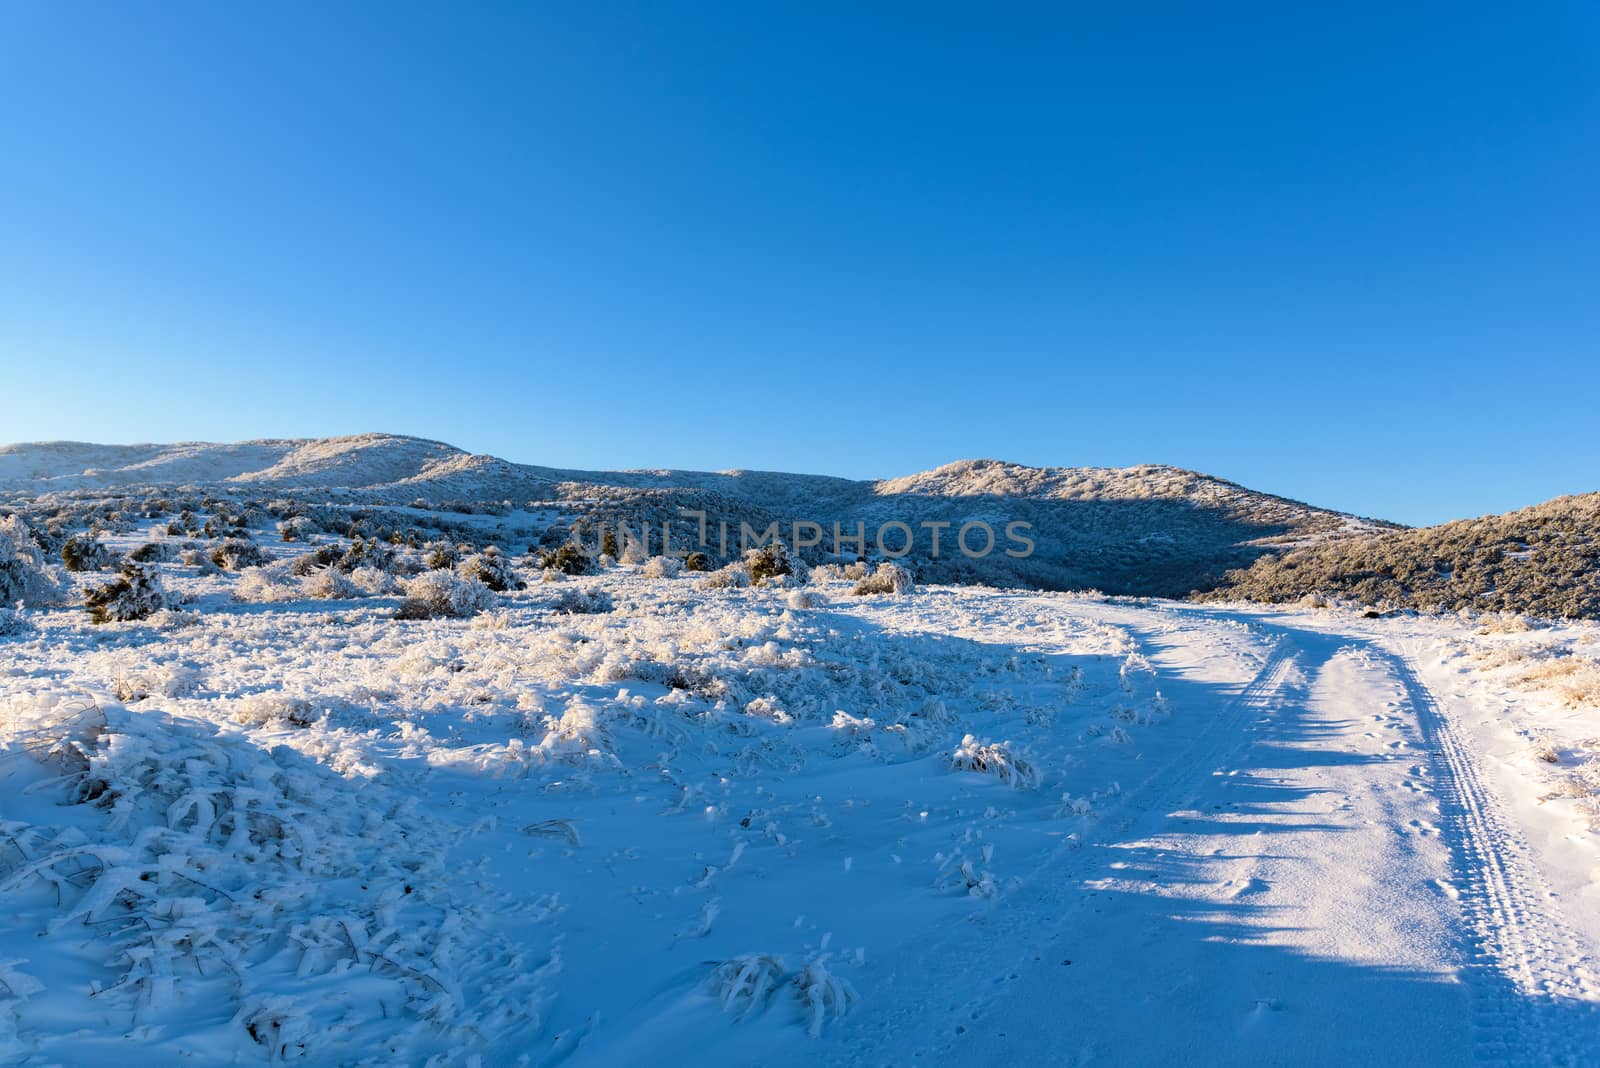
{"x":1149,"y":529}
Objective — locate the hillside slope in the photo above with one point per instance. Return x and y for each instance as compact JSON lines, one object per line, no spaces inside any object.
{"x":1149,"y":529}
{"x":1544,"y":560}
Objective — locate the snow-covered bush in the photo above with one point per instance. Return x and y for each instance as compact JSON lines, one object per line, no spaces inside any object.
{"x":365,"y":552}
{"x":801,"y":599}
{"x":196,"y":558}
{"x":888,"y":578}
{"x":312,"y":562}
{"x":85,"y":552}
{"x":697,"y":561}
{"x":569,"y":559}
{"x":492,"y":568}
{"x":151,"y":552}
{"x":823,"y":994}
{"x":440,"y":555}
{"x":733,"y":576}
{"x":372,"y":581}
{"x":995,"y":759}
{"x":838,"y":572}
{"x":745,"y":984}
{"x":13,"y":623}
{"x":297,"y":528}
{"x":264,"y":585}
{"x":660,"y":567}
{"x":135,"y":595}
{"x":330,"y":584}
{"x":770,"y":562}
{"x":443,"y":595}
{"x":23,"y":574}
{"x":581,"y":602}
{"x":274,"y":710}
{"x":236,"y":554}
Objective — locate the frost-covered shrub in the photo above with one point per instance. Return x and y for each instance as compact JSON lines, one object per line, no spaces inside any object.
{"x":23,"y":575}
{"x":196,"y":558}
{"x":836,"y":572}
{"x":171,"y":680}
{"x":995,"y":759}
{"x":365,"y":552}
{"x":330,"y":584}
{"x":296,"y":529}
{"x":768,"y":562}
{"x":573,"y":602}
{"x":13,"y":623}
{"x":492,"y":568}
{"x":888,"y":578}
{"x":135,"y":595}
{"x":733,"y":576}
{"x":312,"y":562}
{"x":823,"y":994}
{"x":660,"y":567}
{"x":372,"y":581}
{"x":440,"y":555}
{"x":151,"y":552}
{"x":264,"y":585}
{"x":85,"y":552}
{"x":443,"y":595}
{"x":274,"y":710}
{"x":745,"y":984}
{"x":697,"y":561}
{"x":236,"y":554}
{"x":569,"y":559}
{"x":801,"y":599}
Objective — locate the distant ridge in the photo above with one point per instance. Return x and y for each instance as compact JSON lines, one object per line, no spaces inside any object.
{"x":1147,"y":529}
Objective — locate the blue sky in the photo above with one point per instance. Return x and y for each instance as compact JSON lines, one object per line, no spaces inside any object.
{"x":1349,"y":255}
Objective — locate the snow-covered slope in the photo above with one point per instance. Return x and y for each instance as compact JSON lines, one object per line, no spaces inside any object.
{"x":737,"y":826}
{"x":1149,"y":529}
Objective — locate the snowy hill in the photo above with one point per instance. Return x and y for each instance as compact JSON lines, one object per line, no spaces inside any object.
{"x":290,"y":773}
{"x":1544,"y":560}
{"x":1149,"y":529}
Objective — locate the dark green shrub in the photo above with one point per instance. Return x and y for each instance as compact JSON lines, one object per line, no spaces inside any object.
{"x":135,"y":595}
{"x":85,"y":552}
{"x":768,"y":562}
{"x":236,"y":554}
{"x":310,"y":563}
{"x":366,"y":552}
{"x":697,"y":562}
{"x":570,"y":559}
{"x":492,"y":568}
{"x":442,"y":554}
{"x":151,"y":552}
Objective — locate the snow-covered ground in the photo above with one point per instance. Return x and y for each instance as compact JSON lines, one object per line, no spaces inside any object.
{"x":776,"y":826}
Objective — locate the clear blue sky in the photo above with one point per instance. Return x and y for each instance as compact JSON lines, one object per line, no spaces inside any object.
{"x":1348,"y":254}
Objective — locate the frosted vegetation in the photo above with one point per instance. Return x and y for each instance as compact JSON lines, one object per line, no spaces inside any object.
{"x":353,"y":783}
{"x":344,"y":796}
{"x":1543,"y":560}
{"x":1147,"y":530}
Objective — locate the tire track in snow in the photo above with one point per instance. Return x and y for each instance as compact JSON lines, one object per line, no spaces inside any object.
{"x":1054,"y":899}
{"x":1527,"y":969}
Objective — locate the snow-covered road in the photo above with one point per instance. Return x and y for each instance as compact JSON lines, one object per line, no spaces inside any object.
{"x":1319,"y":875}
{"x":730,"y":826}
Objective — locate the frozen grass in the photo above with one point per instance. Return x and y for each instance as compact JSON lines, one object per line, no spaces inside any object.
{"x":997,"y":759}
